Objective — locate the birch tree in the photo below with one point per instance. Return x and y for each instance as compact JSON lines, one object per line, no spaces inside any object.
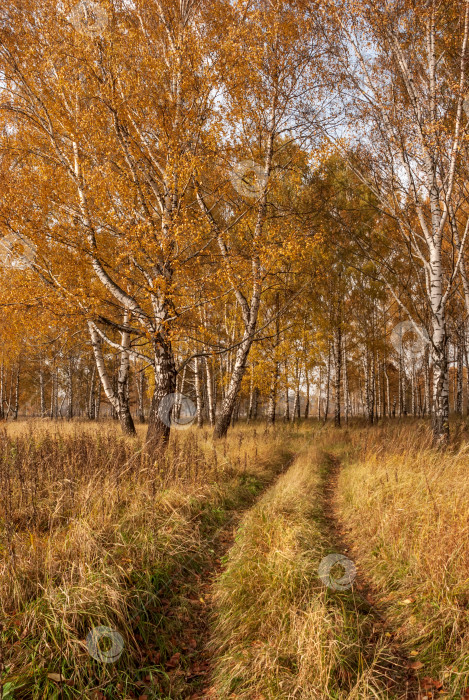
{"x":279,"y":58}
{"x":111,"y":125}
{"x":407,"y":67}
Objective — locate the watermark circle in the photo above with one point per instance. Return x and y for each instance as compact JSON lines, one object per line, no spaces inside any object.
{"x":10,"y":255}
{"x":248,"y":189}
{"x":416,"y":347}
{"x":88,"y":17}
{"x":177,"y":410}
{"x":110,"y":655}
{"x":337,"y":584}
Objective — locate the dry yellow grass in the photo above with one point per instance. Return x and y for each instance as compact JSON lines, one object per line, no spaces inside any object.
{"x":92,"y":533}
{"x":407,"y":510}
{"x":279,"y":632}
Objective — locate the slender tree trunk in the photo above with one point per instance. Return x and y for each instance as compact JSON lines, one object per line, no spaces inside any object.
{"x":296,"y":406}
{"x":286,"y":412}
{"x":379,"y":393}
{"x":440,"y":423}
{"x":91,"y":395}
{"x":52,"y":395}
{"x":16,"y":406}
{"x":222,"y":377}
{"x":98,"y":402}
{"x":235,"y":415}
{"x":2,"y":389}
{"x":54,"y":407}
{"x":296,"y":411}
{"x":453,"y":376}
{"x":320,"y":393}
{"x":123,"y":408}
{"x":460,"y":370}
{"x":328,"y":384}
{"x":388,"y":394}
{"x":210,"y":396}
{"x":345,"y":386}
{"x":467,"y":376}
{"x":42,"y":399}
{"x":369,"y":387}
{"x":198,"y":393}
{"x":255,"y":403}
{"x":427,"y":379}
{"x":338,"y":373}
{"x":272,"y":404}
{"x":140,"y":383}
{"x":420,"y":398}
{"x":306,"y":412}
{"x":69,"y":389}
{"x":180,"y":393}
{"x":55,"y":395}
{"x":253,"y":399}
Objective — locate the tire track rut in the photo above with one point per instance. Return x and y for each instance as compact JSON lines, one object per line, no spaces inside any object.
{"x":394,"y":666}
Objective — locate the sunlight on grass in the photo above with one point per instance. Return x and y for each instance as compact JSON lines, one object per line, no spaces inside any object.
{"x":95,"y":534}
{"x":406,"y":508}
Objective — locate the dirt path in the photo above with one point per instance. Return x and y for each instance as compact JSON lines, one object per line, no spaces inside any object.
{"x":188,"y":666}
{"x":188,"y":611}
{"x":195,"y":636}
{"x":202,"y":686}
{"x":394,"y":666}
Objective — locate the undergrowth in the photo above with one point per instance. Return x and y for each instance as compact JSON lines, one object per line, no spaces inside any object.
{"x":93,"y":533}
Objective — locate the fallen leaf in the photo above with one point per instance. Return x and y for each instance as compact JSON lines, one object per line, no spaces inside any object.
{"x":426,"y":683}
{"x":56,"y":677}
{"x":174,"y":660}
{"x":155,"y":656}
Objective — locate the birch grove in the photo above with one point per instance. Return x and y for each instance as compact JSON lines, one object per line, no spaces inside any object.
{"x":258,"y":209}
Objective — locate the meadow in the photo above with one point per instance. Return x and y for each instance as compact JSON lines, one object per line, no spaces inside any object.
{"x":204,"y":566}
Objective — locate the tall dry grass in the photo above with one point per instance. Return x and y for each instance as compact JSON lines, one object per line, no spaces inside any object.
{"x":279,"y":632}
{"x":406,"y":507}
{"x":93,"y":533}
